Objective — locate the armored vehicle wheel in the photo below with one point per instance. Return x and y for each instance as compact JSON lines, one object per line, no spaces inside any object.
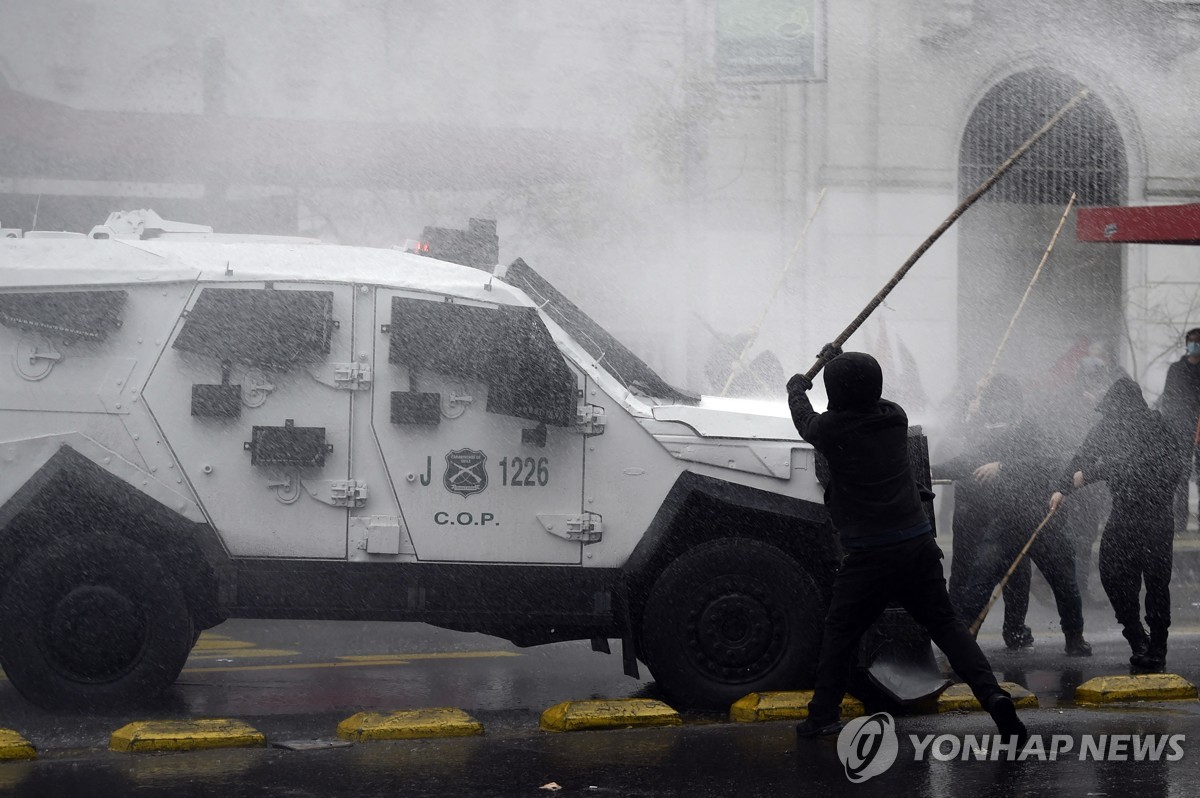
{"x":731,"y":617}
{"x":93,"y":622}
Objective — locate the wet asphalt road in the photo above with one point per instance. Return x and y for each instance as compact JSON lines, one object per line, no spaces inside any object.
{"x":694,"y":760}
{"x":297,"y":680}
{"x":246,"y":670}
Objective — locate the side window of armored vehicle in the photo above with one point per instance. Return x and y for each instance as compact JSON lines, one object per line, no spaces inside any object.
{"x":65,"y":355}
{"x":509,"y":348}
{"x":69,"y":315}
{"x":263,"y":328}
{"x":269,"y":328}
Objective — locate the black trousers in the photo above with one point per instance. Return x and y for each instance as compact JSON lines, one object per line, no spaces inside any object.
{"x":993,"y":554}
{"x":971,"y":527}
{"x":1136,"y":547}
{"x":1087,"y":510}
{"x":909,"y":573}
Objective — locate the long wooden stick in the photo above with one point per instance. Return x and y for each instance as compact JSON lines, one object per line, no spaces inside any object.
{"x":740,"y":363}
{"x":973,"y":408}
{"x":951,"y":219}
{"x":1011,"y":569}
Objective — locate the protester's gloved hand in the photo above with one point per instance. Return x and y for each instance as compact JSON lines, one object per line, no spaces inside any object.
{"x":829,"y":352}
{"x":987,"y":472}
{"x":799,"y":384}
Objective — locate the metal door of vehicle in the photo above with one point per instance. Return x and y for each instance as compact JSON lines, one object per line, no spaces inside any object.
{"x":245,"y":394}
{"x":473,"y":411}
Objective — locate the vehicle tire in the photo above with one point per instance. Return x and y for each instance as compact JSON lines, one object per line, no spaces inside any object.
{"x":728,"y":618}
{"x":92,"y":622}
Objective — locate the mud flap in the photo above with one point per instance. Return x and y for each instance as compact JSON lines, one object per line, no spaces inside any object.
{"x":898,"y":658}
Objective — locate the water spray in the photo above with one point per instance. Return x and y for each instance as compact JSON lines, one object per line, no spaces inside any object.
{"x":971,"y":199}
{"x":986,"y":380}
{"x":740,"y":363}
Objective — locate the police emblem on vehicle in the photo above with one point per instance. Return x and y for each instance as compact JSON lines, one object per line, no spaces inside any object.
{"x":465,"y":472}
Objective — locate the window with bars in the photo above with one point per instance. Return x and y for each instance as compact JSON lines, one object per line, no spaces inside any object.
{"x":1084,"y":153}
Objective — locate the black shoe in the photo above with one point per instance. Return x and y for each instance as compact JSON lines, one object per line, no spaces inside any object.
{"x":811,"y":729}
{"x":1157,"y":650}
{"x":1077,"y":646}
{"x":1145,"y":663}
{"x":1139,"y":642}
{"x":1004,"y":713}
{"x":1020,"y":640}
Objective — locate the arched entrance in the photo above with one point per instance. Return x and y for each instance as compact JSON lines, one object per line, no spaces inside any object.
{"x":1003,"y":237}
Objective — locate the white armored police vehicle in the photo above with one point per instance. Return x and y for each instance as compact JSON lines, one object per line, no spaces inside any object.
{"x":198,"y":426}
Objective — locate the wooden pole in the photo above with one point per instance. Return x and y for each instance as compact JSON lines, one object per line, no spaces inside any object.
{"x":973,"y":408}
{"x":950,"y":220}
{"x":1011,"y":569}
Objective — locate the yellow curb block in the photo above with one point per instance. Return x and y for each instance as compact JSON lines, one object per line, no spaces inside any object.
{"x":959,"y":698}
{"x":608,"y":714}
{"x":412,"y":724}
{"x":184,"y":735}
{"x":14,"y":746}
{"x":1145,"y":687}
{"x":784,"y":705}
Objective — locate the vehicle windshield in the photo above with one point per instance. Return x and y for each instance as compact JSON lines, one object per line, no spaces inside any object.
{"x":630,"y":370}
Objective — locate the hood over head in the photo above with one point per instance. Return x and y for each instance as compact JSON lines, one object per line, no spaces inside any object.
{"x":853,"y":380}
{"x":1123,"y":398}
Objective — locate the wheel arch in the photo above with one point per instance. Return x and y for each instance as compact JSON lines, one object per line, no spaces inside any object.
{"x":71,"y":494}
{"x":700,"y":508}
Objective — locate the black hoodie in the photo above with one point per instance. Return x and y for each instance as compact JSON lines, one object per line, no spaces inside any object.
{"x":1131,"y":449}
{"x":872,"y":496}
{"x":1001,"y":433}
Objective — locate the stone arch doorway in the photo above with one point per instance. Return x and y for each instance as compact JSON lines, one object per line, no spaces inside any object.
{"x":1077,"y":300}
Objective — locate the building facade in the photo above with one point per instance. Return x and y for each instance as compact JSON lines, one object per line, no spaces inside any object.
{"x":628,"y":151}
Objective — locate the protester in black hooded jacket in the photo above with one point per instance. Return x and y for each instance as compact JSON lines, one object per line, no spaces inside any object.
{"x":998,"y":482}
{"x":891,"y":555}
{"x":1132,"y":450}
{"x":1180,"y":406}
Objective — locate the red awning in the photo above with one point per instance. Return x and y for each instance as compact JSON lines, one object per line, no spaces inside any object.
{"x":1157,"y":224}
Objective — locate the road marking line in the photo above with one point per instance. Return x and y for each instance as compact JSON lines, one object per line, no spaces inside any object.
{"x":224,"y":645}
{"x":287,"y":666}
{"x":437,"y":655}
{"x":241,"y":654}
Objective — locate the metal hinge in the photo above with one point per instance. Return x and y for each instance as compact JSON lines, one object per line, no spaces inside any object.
{"x":345,"y":376}
{"x":589,"y":419}
{"x":340,"y":492}
{"x":586,"y":528}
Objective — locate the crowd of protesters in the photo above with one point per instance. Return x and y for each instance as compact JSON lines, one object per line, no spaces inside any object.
{"x":1022,"y":487}
{"x":1098,"y":455}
